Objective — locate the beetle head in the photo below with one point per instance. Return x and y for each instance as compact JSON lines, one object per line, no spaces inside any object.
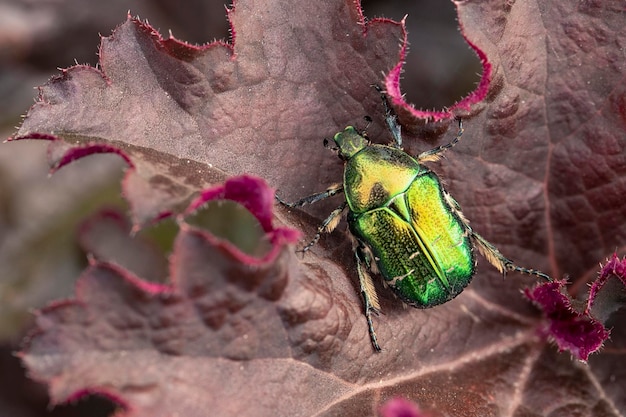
{"x":350,"y":142}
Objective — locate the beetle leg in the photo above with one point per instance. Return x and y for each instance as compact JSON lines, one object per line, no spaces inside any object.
{"x":489,"y":251}
{"x":391,"y":119}
{"x":327,"y":225}
{"x":436,"y":153}
{"x":330,"y":191}
{"x":502,"y":264}
{"x":370,"y":298}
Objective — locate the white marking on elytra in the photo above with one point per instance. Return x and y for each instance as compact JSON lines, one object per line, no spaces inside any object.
{"x":414,"y":255}
{"x":394,"y":279}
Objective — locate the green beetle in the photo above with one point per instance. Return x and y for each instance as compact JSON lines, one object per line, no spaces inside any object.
{"x":404,"y":221}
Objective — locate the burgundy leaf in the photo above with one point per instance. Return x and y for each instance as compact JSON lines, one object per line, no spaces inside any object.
{"x":574,"y":331}
{"x":156,"y":185}
{"x":107,"y":237}
{"x":608,"y":293}
{"x":222,"y":97}
{"x":392,"y":85}
{"x":218,"y":309}
{"x":539,"y":172}
{"x":39,"y":256}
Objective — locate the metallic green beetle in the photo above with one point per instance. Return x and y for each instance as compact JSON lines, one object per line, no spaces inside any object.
{"x":405,"y":221}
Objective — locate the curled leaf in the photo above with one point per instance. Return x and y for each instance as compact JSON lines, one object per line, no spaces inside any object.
{"x":215,"y":313}
{"x":539,"y":172}
{"x":608,"y":292}
{"x":577,"y":332}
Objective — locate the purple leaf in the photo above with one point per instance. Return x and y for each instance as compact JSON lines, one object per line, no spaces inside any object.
{"x":222,"y":96}
{"x":219,"y":308}
{"x":574,"y":331}
{"x":106,"y":236}
{"x":39,"y":255}
{"x":608,"y":293}
{"x":539,"y":172}
{"x":399,"y":407}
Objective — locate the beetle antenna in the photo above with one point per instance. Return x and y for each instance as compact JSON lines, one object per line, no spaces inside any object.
{"x":327,"y":145}
{"x":366,"y":137}
{"x":368,"y":121}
